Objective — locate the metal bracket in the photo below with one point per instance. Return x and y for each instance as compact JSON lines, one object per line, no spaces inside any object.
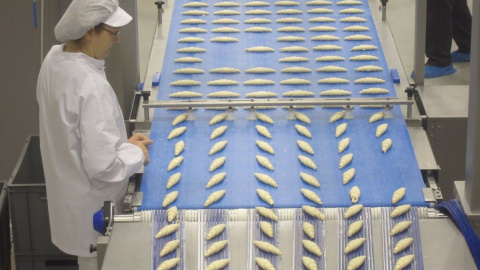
{"x":432,"y":193}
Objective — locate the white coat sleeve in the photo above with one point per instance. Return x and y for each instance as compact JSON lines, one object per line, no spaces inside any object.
{"x":106,"y":155}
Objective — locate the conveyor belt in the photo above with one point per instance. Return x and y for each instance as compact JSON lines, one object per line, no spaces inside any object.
{"x":378,"y":175}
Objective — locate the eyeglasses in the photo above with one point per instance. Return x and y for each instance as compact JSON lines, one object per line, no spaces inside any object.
{"x":113,"y":33}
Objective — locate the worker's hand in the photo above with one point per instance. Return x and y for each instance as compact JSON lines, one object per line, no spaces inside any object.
{"x":142,"y":141}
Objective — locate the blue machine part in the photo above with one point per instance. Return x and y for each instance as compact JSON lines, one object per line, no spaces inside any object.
{"x":156,"y":79}
{"x":98,"y":222}
{"x":395,"y":76}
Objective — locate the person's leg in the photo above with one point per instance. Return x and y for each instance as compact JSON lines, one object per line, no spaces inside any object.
{"x":439,"y":32}
{"x":87,"y":263}
{"x":462,"y":31}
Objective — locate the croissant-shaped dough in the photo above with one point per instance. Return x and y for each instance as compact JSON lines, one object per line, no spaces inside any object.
{"x":303,"y":130}
{"x":225,"y":30}
{"x":179,"y":119}
{"x":333,"y":80}
{"x":167,"y":230}
{"x":179,"y":146}
{"x":312,"y":247}
{"x":314,"y":212}
{"x":348,"y":175}
{"x":225,"y":21}
{"x":400,"y":227}
{"x":318,"y":3}
{"x":224,"y":39}
{"x":309,"y":229}
{"x":364,"y":57}
{"x":169,"y":264}
{"x":257,"y":21}
{"x":402,"y":245}
{"x":308,"y":162}
{"x":302,"y":117}
{"x":266,"y":179}
{"x":215,"y":196}
{"x":266,"y":228}
{"x":312,"y":196}
{"x":217,"y":178}
{"x":215,"y":230}
{"x":319,"y":11}
{"x":218,"y":131}
{"x":352,"y":210}
{"x":400,"y":210}
{"x":306,"y":147}
{"x":217,"y":147}
{"x":398,"y":195}
{"x":381,"y":129}
{"x":354,"y":228}
{"x":298,"y":93}
{"x":262,"y":94}
{"x":190,"y":40}
{"x":266,"y":212}
{"x":193,"y":21}
{"x":173,"y":180}
{"x":356,"y":28}
{"x":195,"y":12}
{"x":369,"y":80}
{"x":217,"y":163}
{"x":263,"y":131}
{"x":267,"y":247}
{"x":322,"y":28}
{"x":176,"y":132}
{"x":345,"y":160}
{"x":265,"y":147}
{"x":265,"y":264}
{"x":374,"y":91}
{"x":404,"y":261}
{"x":257,"y":29}
{"x":340,"y":129}
{"x":260,"y":49}
{"x":225,"y":70}
{"x":216,"y":247}
{"x":193,"y":30}
{"x":218,"y":118}
{"x":386,"y":144}
{"x":326,"y":38}
{"x":186,"y":71}
{"x":326,"y":47}
{"x":169,"y":198}
{"x":264,"y":195}
{"x":264,"y":162}
{"x":356,"y":262}
{"x":337,"y":116}
{"x":309,"y":179}
{"x":349,"y":2}
{"x":335,"y":92}
{"x":358,"y":37}
{"x":376,"y":116}
{"x":218,"y":264}
{"x":354,"y":194}
{"x":169,"y":247}
{"x":185,"y":94}
{"x":368,"y":68}
{"x":343,"y":144}
{"x":188,"y":60}
{"x":353,"y":19}
{"x":172,"y":213}
{"x":354,"y":245}
{"x":175,"y":162}
{"x":223,"y":94}
{"x":292,"y":59}
{"x":309,"y":263}
{"x":264,"y":118}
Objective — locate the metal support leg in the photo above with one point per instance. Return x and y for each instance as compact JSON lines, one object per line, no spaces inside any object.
{"x":420,"y":37}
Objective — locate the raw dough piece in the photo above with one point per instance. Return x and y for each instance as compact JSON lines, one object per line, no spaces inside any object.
{"x":307,"y":162}
{"x":337,"y":116}
{"x":215,"y":196}
{"x":195,"y":4}
{"x":217,"y":178}
{"x":353,"y":19}
{"x":289,"y":11}
{"x":376,"y":116}
{"x":185,"y":94}
{"x":172,"y":213}
{"x":374,"y":91}
{"x":188,"y":71}
{"x":224,"y":39}
{"x":261,"y":94}
{"x":356,"y":28}
{"x":256,"y":4}
{"x":398,"y":195}
{"x":225,"y":30}
{"x":335,"y":92}
{"x":368,"y":68}
{"x":309,"y":179}
{"x":264,"y":118}
{"x":309,"y":263}
{"x":294,"y":49}
{"x":348,"y":175}
{"x":354,"y":194}
{"x":296,"y":70}
{"x":266,"y":228}
{"x":322,"y":28}
{"x":364,"y":57}
{"x":356,"y":262}
{"x":291,"y":29}
{"x":369,"y":80}
{"x":340,"y":129}
{"x":298,"y":93}
{"x":325,"y":38}
{"x":216,"y":247}
{"x":257,"y":21}
{"x":185,"y":83}
{"x":263,"y":131}
{"x":400,"y":210}
{"x":332,"y":69}
{"x":321,"y":20}
{"x":345,"y":160}
{"x":167,"y":230}
{"x":178,"y":148}
{"x":351,"y":11}
{"x":259,"y":82}
{"x":223,"y":94}
{"x":292,"y":59}
{"x":318,"y":3}
{"x":224,"y":70}
{"x":402,"y":245}
{"x":193,"y":21}
{"x":169,"y":264}
{"x":265,"y":264}
{"x":381,"y":129}
{"x":225,"y":21}
{"x":265,"y":147}
{"x":365,"y":47}
{"x":358,"y":37}
{"x":258,"y":12}
{"x":215,"y":231}
{"x":289,"y":20}
{"x":173,"y":180}
{"x":327,"y":48}
{"x":295,"y":81}
{"x":354,"y":228}
{"x":176,"y":132}
{"x":222,"y":82}
{"x":343,"y":144}
{"x":287,"y":3}
{"x":179,"y":119}
{"x":195,"y":13}
{"x":312,"y":247}
{"x":303,"y":130}
{"x":169,"y":198}
{"x":349,"y":2}
{"x":191,"y":40}
{"x":303,"y":118}
{"x":352,"y":210}
{"x":354,"y":245}
{"x":227,"y":12}
{"x":217,"y":163}
{"x":386,"y":144}
{"x":175,"y":163}
{"x":290,"y":39}
{"x":319,"y":11}
{"x":218,"y":264}
{"x":188,"y":60}
{"x":267,"y":213}
{"x":267,"y":247}
{"x":314,"y":212}
{"x":193,"y":30}
{"x":400,"y":227}
{"x":260,"y":70}
{"x":329,"y":58}
{"x":218,"y":118}
{"x":169,"y":247}
{"x":226,"y":4}
{"x":260,"y":49}
{"x":264,"y":162}
{"x":264,"y":195}
{"x":218,"y":131}
{"x":404,"y":262}
{"x":306,"y":147}
{"x":312,"y":196}
{"x":309,"y":229}
{"x":266,"y":179}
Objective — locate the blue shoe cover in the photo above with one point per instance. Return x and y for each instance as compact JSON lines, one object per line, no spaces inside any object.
{"x":434,"y":72}
{"x":460,"y":57}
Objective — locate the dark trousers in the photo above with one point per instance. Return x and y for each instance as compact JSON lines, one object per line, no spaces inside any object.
{"x":447,"y":19}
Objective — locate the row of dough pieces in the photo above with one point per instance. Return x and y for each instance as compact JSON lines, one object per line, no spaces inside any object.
{"x":357,"y":37}
{"x":290,"y":11}
{"x":288,"y":29}
{"x":265,"y":4}
{"x":288,"y":20}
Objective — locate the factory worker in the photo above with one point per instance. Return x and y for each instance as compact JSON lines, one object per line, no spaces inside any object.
{"x":86,"y":155}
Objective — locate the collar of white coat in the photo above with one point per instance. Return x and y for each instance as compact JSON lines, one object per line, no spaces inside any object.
{"x":97,"y":63}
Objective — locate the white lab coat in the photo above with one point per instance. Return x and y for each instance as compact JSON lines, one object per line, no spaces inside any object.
{"x":83,"y":142}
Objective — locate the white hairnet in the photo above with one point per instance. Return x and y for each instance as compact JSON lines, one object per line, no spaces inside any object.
{"x":81,"y":16}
